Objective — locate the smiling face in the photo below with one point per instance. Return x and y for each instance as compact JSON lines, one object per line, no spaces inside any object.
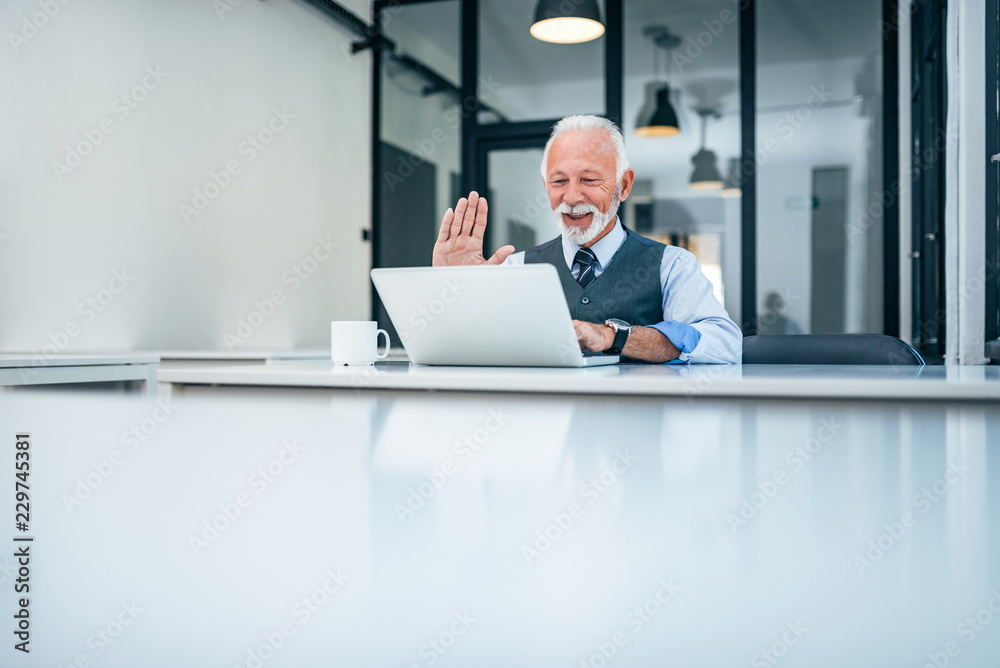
{"x":583,"y":191}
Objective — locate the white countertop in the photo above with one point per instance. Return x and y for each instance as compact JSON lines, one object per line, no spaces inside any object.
{"x":242,"y":355}
{"x":21,"y":360}
{"x":689,"y":381}
{"x":487,"y":529}
{"x":18,"y":370}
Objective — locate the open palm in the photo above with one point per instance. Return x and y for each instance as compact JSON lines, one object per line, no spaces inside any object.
{"x":460,"y":241}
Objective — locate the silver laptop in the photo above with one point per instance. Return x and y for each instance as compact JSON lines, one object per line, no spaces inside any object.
{"x":483,"y":316}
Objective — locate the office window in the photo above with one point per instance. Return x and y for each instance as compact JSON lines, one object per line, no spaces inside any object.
{"x":527,"y":79}
{"x":775,"y":177}
{"x":519,"y":206}
{"x":418,"y":143}
{"x":821,"y":200}
{"x":683,"y":59}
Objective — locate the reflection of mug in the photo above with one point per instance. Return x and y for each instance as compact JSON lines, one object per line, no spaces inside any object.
{"x":355,"y":342}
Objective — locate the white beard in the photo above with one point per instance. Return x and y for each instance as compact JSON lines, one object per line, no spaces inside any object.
{"x":597,"y":222}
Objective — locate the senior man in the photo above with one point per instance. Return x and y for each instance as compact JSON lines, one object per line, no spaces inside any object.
{"x":627,"y":294}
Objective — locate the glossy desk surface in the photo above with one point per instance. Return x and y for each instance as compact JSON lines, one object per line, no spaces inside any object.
{"x":21,"y":360}
{"x":21,"y":369}
{"x":180,"y":359}
{"x":760,"y":381}
{"x":243,"y":354}
{"x":289,"y":527}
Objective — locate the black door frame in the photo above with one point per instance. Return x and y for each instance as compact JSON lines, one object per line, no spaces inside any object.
{"x":929,"y":109}
{"x":992,"y":148}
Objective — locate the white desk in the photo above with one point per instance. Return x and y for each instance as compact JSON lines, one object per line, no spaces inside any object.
{"x":663,"y":514}
{"x":197,"y":359}
{"x":184,"y":359}
{"x":692,"y":382}
{"x":23,"y":369}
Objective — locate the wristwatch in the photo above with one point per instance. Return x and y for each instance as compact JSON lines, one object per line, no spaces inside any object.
{"x":622,"y":330}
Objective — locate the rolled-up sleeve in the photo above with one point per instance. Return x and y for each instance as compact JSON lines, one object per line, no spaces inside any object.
{"x":693,"y":319}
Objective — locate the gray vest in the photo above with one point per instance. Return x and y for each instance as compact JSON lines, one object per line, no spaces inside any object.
{"x":628,"y":288}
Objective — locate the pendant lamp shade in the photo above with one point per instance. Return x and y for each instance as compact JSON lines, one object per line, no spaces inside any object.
{"x":733,"y":186}
{"x":663,"y":121}
{"x":567,"y":21}
{"x":706,"y":174}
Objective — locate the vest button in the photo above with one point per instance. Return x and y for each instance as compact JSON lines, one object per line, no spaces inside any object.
{"x":585,"y":300}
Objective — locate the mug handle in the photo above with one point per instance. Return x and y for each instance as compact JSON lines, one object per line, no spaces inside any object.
{"x":386,"y":353}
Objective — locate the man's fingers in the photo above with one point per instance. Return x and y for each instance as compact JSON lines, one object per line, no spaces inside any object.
{"x":501,"y":255}
{"x":470,"y":213}
{"x":456,"y":219}
{"x":446,"y":225}
{"x":578,"y":328}
{"x":589,"y":336}
{"x":482,"y":211}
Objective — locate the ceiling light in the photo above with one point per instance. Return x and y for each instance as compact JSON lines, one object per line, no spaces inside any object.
{"x":733,"y":187}
{"x":706,"y":174}
{"x":663,"y":121}
{"x":567,"y":21}
{"x":659,"y":118}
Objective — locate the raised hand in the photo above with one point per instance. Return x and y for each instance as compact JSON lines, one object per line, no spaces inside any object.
{"x":460,"y":241}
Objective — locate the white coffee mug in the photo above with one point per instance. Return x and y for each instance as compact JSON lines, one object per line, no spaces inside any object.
{"x":355,"y":342}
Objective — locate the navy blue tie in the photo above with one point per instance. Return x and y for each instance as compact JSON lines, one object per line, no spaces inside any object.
{"x":586,"y":259}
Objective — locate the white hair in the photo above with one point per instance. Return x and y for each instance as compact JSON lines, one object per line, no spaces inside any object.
{"x":588,"y":123}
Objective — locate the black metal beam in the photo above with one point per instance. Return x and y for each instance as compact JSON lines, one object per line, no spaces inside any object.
{"x":369,"y":35}
{"x":613,"y":61}
{"x":376,"y":162}
{"x":890,"y":169}
{"x":438,"y":84}
{"x":515,"y":130}
{"x":469,"y":74}
{"x":992,"y":147}
{"x":748,"y":140}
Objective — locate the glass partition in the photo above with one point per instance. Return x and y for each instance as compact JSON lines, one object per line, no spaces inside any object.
{"x":526,"y":79}
{"x":420,"y":133}
{"x":682,"y":64}
{"x":520,"y":214}
{"x":820,"y":201}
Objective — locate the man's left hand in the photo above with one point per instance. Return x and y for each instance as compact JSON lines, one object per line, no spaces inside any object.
{"x":593,"y":337}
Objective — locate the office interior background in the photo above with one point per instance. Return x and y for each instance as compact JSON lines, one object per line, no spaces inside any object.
{"x":192,"y":190}
{"x":222,"y":175}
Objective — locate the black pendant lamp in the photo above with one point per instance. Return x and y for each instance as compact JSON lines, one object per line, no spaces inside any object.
{"x":658,"y":119}
{"x":662,"y":122}
{"x":733,"y":187}
{"x":706,"y":174}
{"x":567,"y":21}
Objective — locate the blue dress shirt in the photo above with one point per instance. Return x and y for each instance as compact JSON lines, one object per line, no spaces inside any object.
{"x":693,"y":319}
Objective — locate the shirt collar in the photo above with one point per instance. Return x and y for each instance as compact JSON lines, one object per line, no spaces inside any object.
{"x":604,"y":249}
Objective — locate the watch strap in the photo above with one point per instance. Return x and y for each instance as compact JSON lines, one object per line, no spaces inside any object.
{"x":621,"y":335}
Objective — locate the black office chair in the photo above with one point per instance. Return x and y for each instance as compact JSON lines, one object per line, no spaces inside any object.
{"x":829,"y":349}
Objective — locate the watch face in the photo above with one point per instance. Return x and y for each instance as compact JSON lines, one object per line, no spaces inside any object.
{"x":621,"y":324}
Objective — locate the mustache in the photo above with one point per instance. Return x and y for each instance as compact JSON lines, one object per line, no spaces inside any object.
{"x":578,"y":210}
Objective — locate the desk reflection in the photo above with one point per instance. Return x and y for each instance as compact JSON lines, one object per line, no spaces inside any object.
{"x":309,"y":527}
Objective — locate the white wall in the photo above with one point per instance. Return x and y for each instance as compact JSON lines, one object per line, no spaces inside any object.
{"x":190,"y":278}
